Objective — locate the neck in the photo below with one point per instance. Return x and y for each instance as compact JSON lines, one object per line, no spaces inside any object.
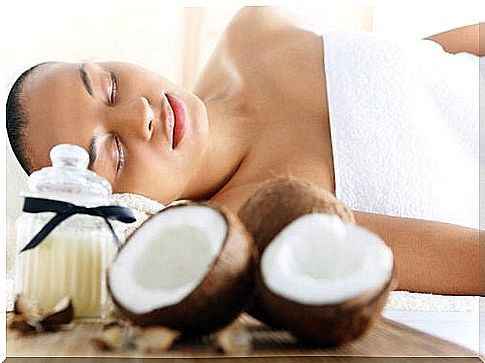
{"x":228,"y":143}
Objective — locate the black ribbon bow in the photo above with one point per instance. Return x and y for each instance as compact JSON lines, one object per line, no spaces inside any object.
{"x":65,"y":210}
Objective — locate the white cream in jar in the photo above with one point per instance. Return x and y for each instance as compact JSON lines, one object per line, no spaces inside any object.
{"x":73,"y":259}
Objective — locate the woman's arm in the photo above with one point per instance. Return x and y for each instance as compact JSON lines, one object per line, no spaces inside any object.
{"x":430,"y":256}
{"x":465,"y":39}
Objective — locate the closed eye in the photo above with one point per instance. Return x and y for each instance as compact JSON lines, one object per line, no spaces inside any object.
{"x":120,"y":155}
{"x":114,"y":89}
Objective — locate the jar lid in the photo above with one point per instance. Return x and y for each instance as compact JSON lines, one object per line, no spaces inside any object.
{"x":69,"y":175}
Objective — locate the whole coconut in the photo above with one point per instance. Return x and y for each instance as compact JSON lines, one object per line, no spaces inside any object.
{"x":280,"y":201}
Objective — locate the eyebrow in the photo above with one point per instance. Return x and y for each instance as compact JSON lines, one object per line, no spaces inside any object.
{"x":86,"y":79}
{"x":92,"y":151}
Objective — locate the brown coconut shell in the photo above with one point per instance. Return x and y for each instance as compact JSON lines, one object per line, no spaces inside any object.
{"x":276,"y":204}
{"x":223,"y":294}
{"x":326,"y":325}
{"x":280,"y":201}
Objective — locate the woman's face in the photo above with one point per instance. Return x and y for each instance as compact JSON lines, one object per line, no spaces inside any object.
{"x":124,"y":115}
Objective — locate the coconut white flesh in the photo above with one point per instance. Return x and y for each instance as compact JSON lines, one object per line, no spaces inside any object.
{"x":167,"y":258}
{"x":317,"y":260}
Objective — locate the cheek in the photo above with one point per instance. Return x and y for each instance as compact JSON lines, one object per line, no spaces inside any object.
{"x":153,"y":178}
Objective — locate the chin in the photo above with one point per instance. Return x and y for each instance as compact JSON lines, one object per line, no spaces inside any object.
{"x":199,"y":118}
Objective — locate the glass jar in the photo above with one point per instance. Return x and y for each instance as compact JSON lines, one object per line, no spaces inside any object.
{"x":73,"y":259}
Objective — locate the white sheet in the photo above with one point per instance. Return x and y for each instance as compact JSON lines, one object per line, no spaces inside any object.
{"x":404,"y":127}
{"x":453,"y":318}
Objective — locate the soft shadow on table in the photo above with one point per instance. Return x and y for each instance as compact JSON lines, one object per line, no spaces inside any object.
{"x":388,"y":339}
{"x":249,"y":360}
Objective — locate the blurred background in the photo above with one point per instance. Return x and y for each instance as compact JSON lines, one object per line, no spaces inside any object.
{"x":177,"y":41}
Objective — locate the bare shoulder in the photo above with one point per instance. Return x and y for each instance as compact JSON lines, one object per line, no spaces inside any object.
{"x":252,"y":20}
{"x":268,"y":45}
{"x":252,"y":40}
{"x":258,"y":25}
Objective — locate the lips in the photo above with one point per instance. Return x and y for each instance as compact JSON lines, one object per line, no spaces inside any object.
{"x":176,"y":120}
{"x":168,"y":118}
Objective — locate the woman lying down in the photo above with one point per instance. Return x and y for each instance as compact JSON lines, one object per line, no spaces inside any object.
{"x":388,"y":126}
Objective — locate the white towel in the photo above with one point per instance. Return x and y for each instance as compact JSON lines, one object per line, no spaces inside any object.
{"x":404,"y":125}
{"x":142,"y":207}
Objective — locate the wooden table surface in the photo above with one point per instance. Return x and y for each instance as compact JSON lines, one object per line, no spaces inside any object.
{"x":385,"y":339}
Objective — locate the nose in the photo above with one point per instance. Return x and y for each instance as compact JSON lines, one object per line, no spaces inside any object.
{"x":133,"y":118}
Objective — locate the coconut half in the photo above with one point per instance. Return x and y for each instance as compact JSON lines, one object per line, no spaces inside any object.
{"x":321,"y":276}
{"x":324,"y":280}
{"x":190,"y":267}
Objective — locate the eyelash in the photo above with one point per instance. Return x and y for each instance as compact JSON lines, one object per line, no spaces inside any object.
{"x":114,"y":89}
{"x":121,"y":154}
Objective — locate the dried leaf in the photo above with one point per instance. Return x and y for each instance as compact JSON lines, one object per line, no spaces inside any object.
{"x":25,"y":305}
{"x":234,"y":339}
{"x":155,"y":339}
{"x":102,"y":344}
{"x":38,"y":327}
{"x":115,"y":336}
{"x":29,"y":318}
{"x":61,"y":314}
